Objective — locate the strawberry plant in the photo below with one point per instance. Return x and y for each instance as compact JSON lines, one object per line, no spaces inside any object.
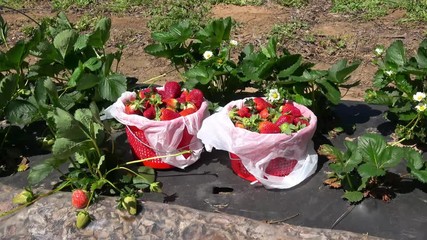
{"x":59,"y":79}
{"x":365,"y":168}
{"x":400,"y":83}
{"x":205,"y":58}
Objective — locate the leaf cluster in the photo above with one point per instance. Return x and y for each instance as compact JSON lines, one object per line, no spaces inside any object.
{"x":363,"y":168}
{"x":226,"y":73}
{"x":397,"y":79}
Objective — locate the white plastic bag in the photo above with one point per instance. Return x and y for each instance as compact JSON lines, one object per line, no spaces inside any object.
{"x":164,"y":136}
{"x":257,"y":150}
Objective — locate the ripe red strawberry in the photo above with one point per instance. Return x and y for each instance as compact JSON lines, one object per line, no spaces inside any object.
{"x":167,"y":114}
{"x":268,"y":127}
{"x":79,"y":199}
{"x":284,"y":119}
{"x":171,"y":90}
{"x":244,"y":111}
{"x":187,"y":111}
{"x":261,"y":104}
{"x":301,"y":120}
{"x":289,"y":108}
{"x":195,"y":96}
{"x":150,"y":112}
{"x":132,"y":107}
{"x":265,"y":113}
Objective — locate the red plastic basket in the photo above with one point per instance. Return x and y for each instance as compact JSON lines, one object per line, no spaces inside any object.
{"x":141,"y":148}
{"x":277,"y":167}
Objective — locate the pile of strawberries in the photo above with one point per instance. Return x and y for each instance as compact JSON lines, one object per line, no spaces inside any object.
{"x":167,"y":104}
{"x":259,"y":115}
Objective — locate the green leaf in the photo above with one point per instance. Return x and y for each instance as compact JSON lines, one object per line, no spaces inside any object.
{"x":158,"y":50}
{"x":67,"y":126}
{"x":395,"y":54}
{"x":339,"y":72}
{"x":8,"y":87}
{"x":200,"y":73}
{"x":64,"y":147}
{"x":372,"y":146}
{"x":291,"y":64}
{"x":370,"y":170}
{"x":177,"y":33}
{"x":98,"y":184}
{"x":69,"y":100}
{"x":420,"y":175}
{"x":21,"y":112}
{"x":270,"y":50}
{"x":41,"y":171}
{"x":101,"y":33}
{"x":378,"y":97}
{"x":14,"y":57}
{"x":147,"y":173}
{"x":330,"y":90}
{"x":65,"y":41}
{"x":93,"y":64}
{"x":414,"y":158}
{"x":112,"y":86}
{"x":86,"y":81}
{"x":81,"y":42}
{"x":353,"y":196}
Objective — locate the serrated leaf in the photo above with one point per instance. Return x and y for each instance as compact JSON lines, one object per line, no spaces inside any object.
{"x":420,"y":175}
{"x":65,"y":41}
{"x":378,"y":97}
{"x":202,"y":74}
{"x":158,"y":50}
{"x":101,"y":34}
{"x":147,"y":173}
{"x":39,"y":172}
{"x":93,"y":64}
{"x":86,"y":81}
{"x":80,"y":157}
{"x":372,"y":146}
{"x":370,"y":170}
{"x":414,"y":159}
{"x":81,"y":42}
{"x":14,"y":57}
{"x":112,"y":86}
{"x":331,"y":91}
{"x":353,"y":196}
{"x":395,"y":54}
{"x":67,"y":126}
{"x":64,"y":147}
{"x":69,"y":100}
{"x":292,"y":63}
{"x":270,"y":50}
{"x":8,"y":87}
{"x":177,"y":33}
{"x":21,"y":112}
{"x":339,"y":72}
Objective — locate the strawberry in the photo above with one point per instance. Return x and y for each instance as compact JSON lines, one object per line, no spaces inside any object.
{"x":171,"y":90}
{"x":171,"y":103}
{"x":129,"y":203}
{"x":82,"y":220}
{"x":239,"y":125}
{"x":167,"y":114}
{"x":195,"y":96}
{"x":132,"y":107}
{"x":289,"y":108}
{"x":261,"y":104}
{"x":244,"y":111}
{"x":79,"y":199}
{"x":150,"y":112}
{"x":147,"y":92}
{"x":265,"y":113}
{"x":268,"y":127}
{"x":301,"y":121}
{"x":23,"y":197}
{"x":187,"y":111}
{"x":284,"y":119}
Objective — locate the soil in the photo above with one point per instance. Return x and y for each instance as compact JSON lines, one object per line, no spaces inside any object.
{"x":327,"y":38}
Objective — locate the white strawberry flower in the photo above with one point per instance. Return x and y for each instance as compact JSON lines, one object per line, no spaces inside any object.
{"x":379,"y":51}
{"x":273,"y":95}
{"x":389,"y":72}
{"x":233,"y":43}
{"x":419,"y":96}
{"x":207,"y":54}
{"x":421,"y":107}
